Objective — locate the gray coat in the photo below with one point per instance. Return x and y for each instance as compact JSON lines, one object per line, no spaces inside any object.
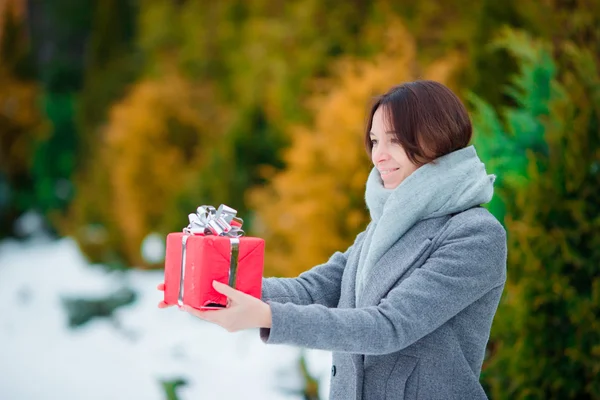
{"x":424,"y":320}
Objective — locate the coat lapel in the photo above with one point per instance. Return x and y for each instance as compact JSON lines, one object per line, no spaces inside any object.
{"x":391,"y":268}
{"x":411,"y":249}
{"x":347,"y":297}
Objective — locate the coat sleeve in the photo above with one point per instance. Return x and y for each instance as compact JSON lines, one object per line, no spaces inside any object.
{"x":470,"y":261}
{"x":319,"y":285}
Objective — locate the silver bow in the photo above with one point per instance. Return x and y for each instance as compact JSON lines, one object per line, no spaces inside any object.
{"x":209,"y":221}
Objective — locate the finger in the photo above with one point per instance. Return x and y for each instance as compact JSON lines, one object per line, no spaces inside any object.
{"x":228,"y":290}
{"x":205,"y":315}
{"x":162,"y":304}
{"x":161,"y":286}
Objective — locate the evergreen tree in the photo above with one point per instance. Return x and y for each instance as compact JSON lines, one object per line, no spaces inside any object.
{"x":546,"y":333}
{"x":59,"y":30}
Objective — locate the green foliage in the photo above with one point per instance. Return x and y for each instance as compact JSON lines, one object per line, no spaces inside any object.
{"x":82,"y":310}
{"x":545,"y":340}
{"x":170,"y":387}
{"x":252,"y":144}
{"x":311,"y":385}
{"x":59,"y":38}
{"x":21,"y":122}
{"x":112,"y":66}
{"x":506,"y":143}
{"x":489,"y":68}
{"x":59,"y":45}
{"x":55,"y":156}
{"x":310,"y":388}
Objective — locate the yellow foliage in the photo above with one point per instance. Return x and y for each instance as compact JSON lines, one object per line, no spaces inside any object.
{"x":20,"y":123}
{"x":16,"y":8}
{"x":20,"y":120}
{"x":152,"y":148}
{"x":316,"y":206}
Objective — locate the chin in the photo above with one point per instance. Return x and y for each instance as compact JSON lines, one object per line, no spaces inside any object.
{"x":393,"y":185}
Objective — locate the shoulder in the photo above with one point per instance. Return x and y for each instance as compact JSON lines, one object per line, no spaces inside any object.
{"x":476,"y":237}
{"x":476,"y":222}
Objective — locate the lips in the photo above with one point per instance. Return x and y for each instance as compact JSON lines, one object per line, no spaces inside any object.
{"x":387,"y":171}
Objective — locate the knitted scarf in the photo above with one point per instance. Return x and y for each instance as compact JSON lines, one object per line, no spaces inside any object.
{"x":451,"y":184}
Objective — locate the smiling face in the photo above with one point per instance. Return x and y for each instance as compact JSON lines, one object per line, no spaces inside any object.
{"x":387,"y":154}
{"x":413,"y":124}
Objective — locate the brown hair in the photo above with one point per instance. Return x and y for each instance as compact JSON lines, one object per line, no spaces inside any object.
{"x":429,"y":120}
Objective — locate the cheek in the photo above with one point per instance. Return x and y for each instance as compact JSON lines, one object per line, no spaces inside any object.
{"x":401,"y":159}
{"x":404,"y":162}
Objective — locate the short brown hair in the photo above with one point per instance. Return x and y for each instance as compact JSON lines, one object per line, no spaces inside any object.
{"x":429,"y":120}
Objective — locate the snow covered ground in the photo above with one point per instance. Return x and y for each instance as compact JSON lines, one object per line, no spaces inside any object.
{"x":126,"y":356}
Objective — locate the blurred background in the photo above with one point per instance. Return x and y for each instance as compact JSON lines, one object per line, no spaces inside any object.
{"x":119,"y":117}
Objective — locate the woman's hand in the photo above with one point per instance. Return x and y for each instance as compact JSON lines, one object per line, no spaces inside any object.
{"x":162,"y":304}
{"x":243,"y":311}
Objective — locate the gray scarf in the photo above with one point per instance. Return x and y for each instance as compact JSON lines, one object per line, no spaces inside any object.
{"x":453,"y":183}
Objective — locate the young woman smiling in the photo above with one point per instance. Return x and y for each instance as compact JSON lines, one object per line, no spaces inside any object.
{"x":407,"y":309}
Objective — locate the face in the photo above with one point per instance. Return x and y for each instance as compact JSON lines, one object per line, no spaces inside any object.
{"x":388,"y":155}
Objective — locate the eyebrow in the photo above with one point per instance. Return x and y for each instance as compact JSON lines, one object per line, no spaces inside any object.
{"x":387,"y":133}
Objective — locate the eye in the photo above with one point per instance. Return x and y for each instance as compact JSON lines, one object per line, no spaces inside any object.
{"x":395,"y":141}
{"x":373,"y":142}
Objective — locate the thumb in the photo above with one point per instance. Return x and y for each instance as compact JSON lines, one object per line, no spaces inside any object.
{"x":226,"y":290}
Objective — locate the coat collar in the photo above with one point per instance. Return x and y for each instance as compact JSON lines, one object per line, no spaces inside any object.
{"x":409,"y":250}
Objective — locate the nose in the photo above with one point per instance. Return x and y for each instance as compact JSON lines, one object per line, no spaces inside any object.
{"x":380,"y":154}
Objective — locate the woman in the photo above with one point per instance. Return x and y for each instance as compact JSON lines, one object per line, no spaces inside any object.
{"x":407,"y":309}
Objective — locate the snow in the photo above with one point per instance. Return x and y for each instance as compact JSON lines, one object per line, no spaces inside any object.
{"x":126,"y":356}
{"x":153,"y":248}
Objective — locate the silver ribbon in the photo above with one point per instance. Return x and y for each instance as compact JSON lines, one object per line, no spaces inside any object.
{"x":219,"y":222}
{"x":209,"y":221}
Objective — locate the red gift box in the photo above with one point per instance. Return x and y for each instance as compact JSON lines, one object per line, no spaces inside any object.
{"x":208,"y":258}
